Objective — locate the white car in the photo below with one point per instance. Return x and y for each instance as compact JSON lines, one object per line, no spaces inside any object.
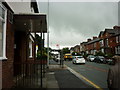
{"x":91,"y":58}
{"x":78,"y":59}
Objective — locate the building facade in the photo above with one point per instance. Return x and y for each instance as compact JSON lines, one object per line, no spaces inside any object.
{"x":107,"y":42}
{"x":17,"y":38}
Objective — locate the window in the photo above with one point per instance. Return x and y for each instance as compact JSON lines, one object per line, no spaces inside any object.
{"x":117,"y":50}
{"x":102,"y":50}
{"x":117,"y":39}
{"x":10,"y":17}
{"x":101,"y":43}
{"x":106,"y":42}
{"x":3,"y":13}
{"x":30,"y":49}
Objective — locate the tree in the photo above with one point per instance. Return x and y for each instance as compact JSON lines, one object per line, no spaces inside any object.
{"x":39,"y":42}
{"x":66,"y":50}
{"x":100,"y":53}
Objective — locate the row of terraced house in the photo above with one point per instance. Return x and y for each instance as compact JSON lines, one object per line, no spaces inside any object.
{"x":108,"y":42}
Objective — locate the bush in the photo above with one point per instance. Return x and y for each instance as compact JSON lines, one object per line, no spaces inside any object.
{"x":100,"y":53}
{"x":42,"y":55}
{"x":86,"y":55}
{"x":109,"y":55}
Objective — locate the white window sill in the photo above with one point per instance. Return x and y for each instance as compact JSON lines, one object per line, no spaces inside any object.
{"x":3,"y":58}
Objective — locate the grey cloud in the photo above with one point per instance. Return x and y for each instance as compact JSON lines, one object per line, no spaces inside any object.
{"x":79,"y":19}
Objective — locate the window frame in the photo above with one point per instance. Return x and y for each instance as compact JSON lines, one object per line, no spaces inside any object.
{"x":4,"y":32}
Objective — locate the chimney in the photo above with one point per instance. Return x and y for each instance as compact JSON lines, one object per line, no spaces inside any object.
{"x":88,"y":39}
{"x":116,"y":27}
{"x":94,"y":37}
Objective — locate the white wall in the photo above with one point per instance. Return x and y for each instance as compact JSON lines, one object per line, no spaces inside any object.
{"x":20,"y":7}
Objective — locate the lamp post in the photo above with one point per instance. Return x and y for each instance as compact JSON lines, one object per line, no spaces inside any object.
{"x":48,"y":49}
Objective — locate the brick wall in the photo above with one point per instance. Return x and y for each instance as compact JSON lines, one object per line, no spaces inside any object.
{"x":7,"y":65}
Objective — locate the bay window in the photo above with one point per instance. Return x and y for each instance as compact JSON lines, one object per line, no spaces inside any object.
{"x":2,"y":31}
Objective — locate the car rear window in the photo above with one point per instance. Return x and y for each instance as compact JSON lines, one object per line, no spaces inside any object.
{"x":92,"y":56}
{"x":101,"y":57}
{"x":79,"y":57}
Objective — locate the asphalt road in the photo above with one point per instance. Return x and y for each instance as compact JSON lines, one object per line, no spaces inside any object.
{"x":94,"y":72}
{"x":67,"y":80}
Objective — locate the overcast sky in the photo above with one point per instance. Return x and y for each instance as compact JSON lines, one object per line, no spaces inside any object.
{"x":71,"y":23}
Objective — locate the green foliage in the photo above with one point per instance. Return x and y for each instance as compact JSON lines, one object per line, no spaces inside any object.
{"x":39,"y":42}
{"x":66,"y":50}
{"x":100,"y":53}
{"x":41,"y":55}
{"x":85,"y":55}
{"x":109,"y":55}
{"x":44,"y":53}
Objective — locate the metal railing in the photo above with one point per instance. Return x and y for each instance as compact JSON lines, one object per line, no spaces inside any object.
{"x":29,"y":74}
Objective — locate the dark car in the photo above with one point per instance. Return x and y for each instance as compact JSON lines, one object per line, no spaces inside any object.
{"x":100,"y":59}
{"x":110,"y":61}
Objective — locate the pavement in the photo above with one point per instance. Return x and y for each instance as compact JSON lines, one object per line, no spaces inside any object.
{"x":56,"y":77}
{"x":61,"y":78}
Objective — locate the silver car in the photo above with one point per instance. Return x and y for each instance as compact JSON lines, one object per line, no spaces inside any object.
{"x":78,"y":59}
{"x":91,"y":58}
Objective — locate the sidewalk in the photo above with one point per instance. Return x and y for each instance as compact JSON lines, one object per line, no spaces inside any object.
{"x":59,"y":78}
{"x":56,"y":77}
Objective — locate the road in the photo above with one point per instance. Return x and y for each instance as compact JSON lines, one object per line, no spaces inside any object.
{"x":94,"y":72}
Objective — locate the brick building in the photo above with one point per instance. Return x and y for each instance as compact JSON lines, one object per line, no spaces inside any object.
{"x":82,"y":47}
{"x":93,"y":46}
{"x":17,"y":37}
{"x":108,"y":42}
{"x":75,"y":49}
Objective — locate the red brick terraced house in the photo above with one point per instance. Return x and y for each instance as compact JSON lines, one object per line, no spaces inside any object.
{"x":93,"y":46}
{"x":107,"y":42}
{"x":19,"y":23}
{"x":82,"y":48}
{"x":77,"y":49}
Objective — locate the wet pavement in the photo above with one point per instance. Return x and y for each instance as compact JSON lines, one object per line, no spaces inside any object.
{"x":57,"y":77}
{"x":65,"y":79}
{"x":68,"y":80}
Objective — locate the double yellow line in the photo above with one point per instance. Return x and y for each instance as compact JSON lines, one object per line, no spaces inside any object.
{"x":81,"y":76}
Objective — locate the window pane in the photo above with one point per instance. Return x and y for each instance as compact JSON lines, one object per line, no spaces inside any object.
{"x":1,"y":39}
{"x":30,"y":48}
{"x":2,"y":12}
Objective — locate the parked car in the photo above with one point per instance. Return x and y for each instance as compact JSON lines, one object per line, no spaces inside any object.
{"x":78,"y":59}
{"x":100,"y":59}
{"x":91,"y":58}
{"x":110,"y":61}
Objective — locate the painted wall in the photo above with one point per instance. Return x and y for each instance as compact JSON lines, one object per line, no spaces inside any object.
{"x":20,"y":7}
